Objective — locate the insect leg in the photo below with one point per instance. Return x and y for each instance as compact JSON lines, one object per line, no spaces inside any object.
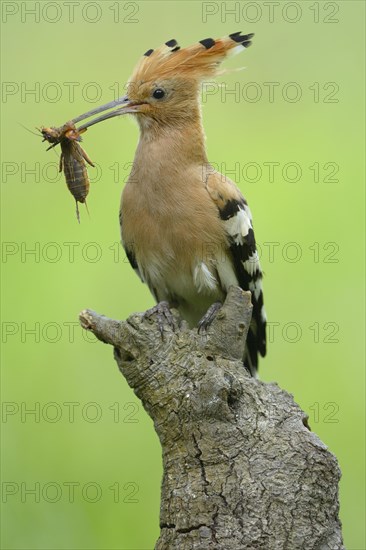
{"x":86,"y":157}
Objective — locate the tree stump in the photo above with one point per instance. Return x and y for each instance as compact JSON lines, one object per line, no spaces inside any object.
{"x":242,"y":470}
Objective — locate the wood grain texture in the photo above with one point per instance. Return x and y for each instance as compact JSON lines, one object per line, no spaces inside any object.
{"x":241,"y":468}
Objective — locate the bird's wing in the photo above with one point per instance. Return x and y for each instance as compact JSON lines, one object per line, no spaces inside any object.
{"x":237,"y":219}
{"x":130,"y":253}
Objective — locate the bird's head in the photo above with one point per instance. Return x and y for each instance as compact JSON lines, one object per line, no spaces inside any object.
{"x":167,"y":100}
{"x":165,"y":85}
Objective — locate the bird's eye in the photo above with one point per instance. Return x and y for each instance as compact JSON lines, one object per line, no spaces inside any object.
{"x":158,"y":93}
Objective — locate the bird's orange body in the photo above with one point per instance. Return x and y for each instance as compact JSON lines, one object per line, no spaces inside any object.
{"x":170,"y":208}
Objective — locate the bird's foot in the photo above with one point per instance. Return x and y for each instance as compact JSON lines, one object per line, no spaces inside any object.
{"x":209,"y":316}
{"x":164,"y":316}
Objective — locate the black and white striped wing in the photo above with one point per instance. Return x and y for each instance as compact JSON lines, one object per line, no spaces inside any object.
{"x":237,"y":220}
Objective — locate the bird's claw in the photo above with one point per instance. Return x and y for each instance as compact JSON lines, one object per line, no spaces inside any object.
{"x":209,"y":316}
{"x":164,"y":316}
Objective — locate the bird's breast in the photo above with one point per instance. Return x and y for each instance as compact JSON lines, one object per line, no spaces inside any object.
{"x":174,"y":231}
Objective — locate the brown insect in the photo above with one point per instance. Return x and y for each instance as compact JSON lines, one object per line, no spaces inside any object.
{"x":72,"y":160}
{"x":73,"y":157}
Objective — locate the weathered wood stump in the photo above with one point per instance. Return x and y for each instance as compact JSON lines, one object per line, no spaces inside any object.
{"x":242,"y":470}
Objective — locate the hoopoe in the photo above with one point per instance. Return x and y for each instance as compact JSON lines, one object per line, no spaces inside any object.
{"x":186,"y":229}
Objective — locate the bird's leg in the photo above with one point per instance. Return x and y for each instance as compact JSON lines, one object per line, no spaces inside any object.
{"x":164,"y":315}
{"x":209,"y":316}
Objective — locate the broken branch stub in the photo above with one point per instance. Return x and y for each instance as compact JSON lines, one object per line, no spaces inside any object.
{"x":241,"y":468}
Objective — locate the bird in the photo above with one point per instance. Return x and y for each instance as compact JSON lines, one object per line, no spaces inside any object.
{"x":186,"y":228}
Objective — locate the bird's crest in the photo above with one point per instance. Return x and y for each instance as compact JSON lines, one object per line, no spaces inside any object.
{"x":198,"y":61}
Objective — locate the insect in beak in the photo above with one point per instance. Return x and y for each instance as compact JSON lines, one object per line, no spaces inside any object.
{"x":124,"y":106}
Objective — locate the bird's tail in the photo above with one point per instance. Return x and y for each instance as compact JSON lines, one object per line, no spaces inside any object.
{"x":256,"y":338}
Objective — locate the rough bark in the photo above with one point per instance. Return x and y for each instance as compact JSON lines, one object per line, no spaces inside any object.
{"x":241,"y":468}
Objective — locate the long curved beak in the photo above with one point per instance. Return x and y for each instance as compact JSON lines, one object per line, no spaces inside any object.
{"x":124,"y":106}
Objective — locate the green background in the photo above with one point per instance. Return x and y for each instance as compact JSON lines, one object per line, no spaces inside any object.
{"x":317,"y":282}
